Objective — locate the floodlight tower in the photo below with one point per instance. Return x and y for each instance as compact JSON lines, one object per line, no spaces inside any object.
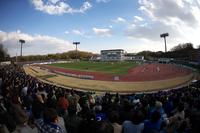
{"x":164,"y":35}
{"x":21,"y":41}
{"x":76,"y":43}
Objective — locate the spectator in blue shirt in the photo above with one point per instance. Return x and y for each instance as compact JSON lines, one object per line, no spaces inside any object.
{"x":49,"y":122}
{"x":154,"y":124}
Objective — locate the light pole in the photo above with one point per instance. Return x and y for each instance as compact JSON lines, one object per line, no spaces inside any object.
{"x":164,"y":35}
{"x":16,"y":58}
{"x":76,"y":43}
{"x":21,"y":41}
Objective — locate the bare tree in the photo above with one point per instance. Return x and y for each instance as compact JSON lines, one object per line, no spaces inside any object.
{"x":3,"y":53}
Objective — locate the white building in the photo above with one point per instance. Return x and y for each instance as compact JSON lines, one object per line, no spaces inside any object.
{"x":165,"y":60}
{"x":95,"y":58}
{"x":112,"y":55}
{"x":131,"y":57}
{"x":119,"y":55}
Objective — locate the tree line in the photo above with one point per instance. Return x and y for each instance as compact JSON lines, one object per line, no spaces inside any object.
{"x":184,"y":51}
{"x":82,"y":55}
{"x":3,"y":53}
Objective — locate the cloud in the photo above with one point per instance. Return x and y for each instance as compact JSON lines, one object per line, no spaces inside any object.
{"x":180,"y":18}
{"x":170,"y":11}
{"x":137,"y":18}
{"x":119,"y":20}
{"x":103,"y":32}
{"x":58,"y":7}
{"x":66,"y":32}
{"x":54,"y":1}
{"x":150,"y":31}
{"x":81,"y":33}
{"x":104,"y":1}
{"x":34,"y":44}
{"x":77,"y":32}
{"x":86,"y":6}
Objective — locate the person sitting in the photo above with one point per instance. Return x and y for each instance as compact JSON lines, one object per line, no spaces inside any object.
{"x":49,"y":123}
{"x":154,"y":124}
{"x":72,"y":121}
{"x":63,"y":104}
{"x":135,"y":125}
{"x":19,"y":113}
{"x":38,"y":107}
{"x":104,"y":127}
{"x":114,"y":119}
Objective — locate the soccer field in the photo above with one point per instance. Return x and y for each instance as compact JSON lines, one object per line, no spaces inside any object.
{"x":106,"y":67}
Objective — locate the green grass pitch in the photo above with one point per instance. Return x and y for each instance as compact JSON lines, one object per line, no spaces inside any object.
{"x":106,"y":67}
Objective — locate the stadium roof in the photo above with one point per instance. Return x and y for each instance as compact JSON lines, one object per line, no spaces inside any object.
{"x":113,"y":50}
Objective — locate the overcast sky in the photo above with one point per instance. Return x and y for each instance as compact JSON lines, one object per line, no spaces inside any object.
{"x":50,"y":26}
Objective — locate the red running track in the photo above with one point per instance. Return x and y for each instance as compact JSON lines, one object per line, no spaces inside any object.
{"x":146,"y":72}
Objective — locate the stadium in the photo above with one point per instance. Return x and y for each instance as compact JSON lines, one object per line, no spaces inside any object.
{"x":122,"y":77}
{"x":99,"y":66}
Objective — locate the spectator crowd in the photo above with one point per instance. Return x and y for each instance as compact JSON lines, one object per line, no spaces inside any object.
{"x":28,"y":105}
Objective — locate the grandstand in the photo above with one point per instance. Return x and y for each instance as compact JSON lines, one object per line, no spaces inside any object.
{"x":119,"y":55}
{"x":89,"y":109}
{"x":112,"y":55}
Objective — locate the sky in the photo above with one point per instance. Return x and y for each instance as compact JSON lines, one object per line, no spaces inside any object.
{"x":51,"y":26}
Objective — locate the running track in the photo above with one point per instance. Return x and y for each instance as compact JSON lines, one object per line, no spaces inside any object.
{"x":146,"y":72}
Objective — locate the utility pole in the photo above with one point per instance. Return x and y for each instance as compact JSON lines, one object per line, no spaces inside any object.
{"x":16,"y":58}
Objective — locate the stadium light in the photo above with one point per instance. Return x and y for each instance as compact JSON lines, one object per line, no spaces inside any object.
{"x":164,"y":35}
{"x":21,"y":41}
{"x":76,"y":43}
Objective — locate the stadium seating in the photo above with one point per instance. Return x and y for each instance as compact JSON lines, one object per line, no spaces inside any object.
{"x":29,"y":105}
